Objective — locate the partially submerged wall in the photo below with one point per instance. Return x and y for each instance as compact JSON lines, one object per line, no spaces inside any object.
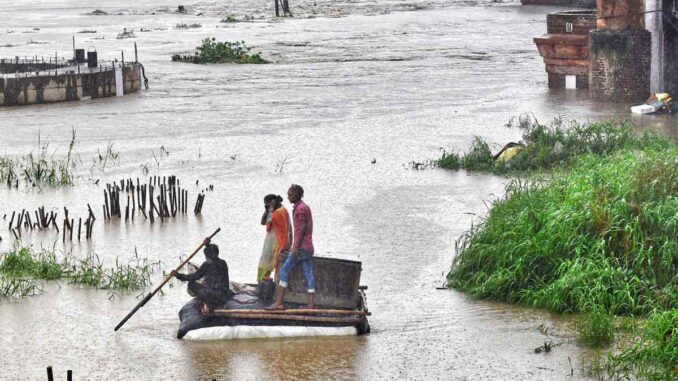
{"x":619,"y":52}
{"x":620,"y":65}
{"x":10,"y":66}
{"x":565,"y":48}
{"x":68,"y":86}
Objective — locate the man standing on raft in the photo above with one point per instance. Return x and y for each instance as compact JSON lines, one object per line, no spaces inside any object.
{"x":301,"y":251}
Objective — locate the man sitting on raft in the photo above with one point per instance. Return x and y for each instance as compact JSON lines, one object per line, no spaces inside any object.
{"x":214,"y":290}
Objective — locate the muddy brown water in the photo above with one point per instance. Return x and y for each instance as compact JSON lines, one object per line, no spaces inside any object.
{"x":386,"y":81}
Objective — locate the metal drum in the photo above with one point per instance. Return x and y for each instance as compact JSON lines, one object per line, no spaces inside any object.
{"x":92,"y":58}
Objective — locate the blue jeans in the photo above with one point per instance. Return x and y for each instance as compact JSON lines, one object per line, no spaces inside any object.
{"x":306,"y":260}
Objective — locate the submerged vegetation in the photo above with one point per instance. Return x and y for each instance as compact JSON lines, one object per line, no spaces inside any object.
{"x":212,"y":51}
{"x":188,"y":26}
{"x":22,"y":268}
{"x":596,"y":236}
{"x":655,"y":354}
{"x":40,"y":170}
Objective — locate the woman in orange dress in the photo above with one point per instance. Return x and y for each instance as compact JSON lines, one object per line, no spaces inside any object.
{"x":278,"y":236}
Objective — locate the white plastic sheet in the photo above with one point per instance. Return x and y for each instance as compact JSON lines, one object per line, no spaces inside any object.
{"x":253,"y":332}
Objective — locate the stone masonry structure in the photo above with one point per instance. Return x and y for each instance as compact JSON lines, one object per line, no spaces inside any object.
{"x":68,"y":84}
{"x":619,"y":53}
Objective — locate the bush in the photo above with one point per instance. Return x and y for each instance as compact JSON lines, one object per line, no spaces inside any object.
{"x":212,"y":51}
{"x":596,"y":327}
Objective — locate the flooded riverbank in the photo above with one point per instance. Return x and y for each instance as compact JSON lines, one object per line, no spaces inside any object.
{"x":391,"y":86}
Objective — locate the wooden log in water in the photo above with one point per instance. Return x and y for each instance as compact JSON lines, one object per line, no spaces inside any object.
{"x":20,"y":219}
{"x":106,"y":215}
{"x":12,"y":220}
{"x":79,"y":227}
{"x":50,"y":374}
{"x":70,"y":226}
{"x":69,"y":375}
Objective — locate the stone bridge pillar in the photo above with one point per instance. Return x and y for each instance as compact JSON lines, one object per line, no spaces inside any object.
{"x":619,"y":53}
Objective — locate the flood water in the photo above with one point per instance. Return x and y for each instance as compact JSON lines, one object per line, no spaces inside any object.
{"x":361,"y":81}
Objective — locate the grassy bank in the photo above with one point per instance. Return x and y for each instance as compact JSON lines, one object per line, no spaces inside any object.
{"x":22,"y":268}
{"x":212,"y":51}
{"x":594,"y":236}
{"x":547,"y":147}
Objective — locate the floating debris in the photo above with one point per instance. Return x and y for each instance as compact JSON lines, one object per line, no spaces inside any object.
{"x":188,"y":26}
{"x":126,"y":34}
{"x":547,"y":347}
{"x":97,"y":12}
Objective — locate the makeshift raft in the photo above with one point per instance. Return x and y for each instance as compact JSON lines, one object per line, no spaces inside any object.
{"x":340,"y":302}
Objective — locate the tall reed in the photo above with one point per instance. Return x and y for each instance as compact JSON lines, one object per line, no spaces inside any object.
{"x":41,"y":169}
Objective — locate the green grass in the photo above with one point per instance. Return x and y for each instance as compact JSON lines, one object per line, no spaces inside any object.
{"x":90,"y":271}
{"x":654,"y":355}
{"x":596,"y":327}
{"x":595,"y":235}
{"x":22,"y":268}
{"x":212,"y":51}
{"x":23,"y":262}
{"x":555,"y":146}
{"x":599,"y":234}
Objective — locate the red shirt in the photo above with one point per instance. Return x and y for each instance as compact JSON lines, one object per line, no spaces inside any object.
{"x":303,"y":227}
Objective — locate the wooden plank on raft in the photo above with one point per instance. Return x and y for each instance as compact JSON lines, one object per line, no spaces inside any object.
{"x":318,"y":319}
{"x":298,"y":311}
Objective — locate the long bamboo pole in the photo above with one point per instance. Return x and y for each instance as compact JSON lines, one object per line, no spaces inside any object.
{"x":149,"y":296}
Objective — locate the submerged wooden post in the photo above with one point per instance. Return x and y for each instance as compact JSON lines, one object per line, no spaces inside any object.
{"x":50,"y":375}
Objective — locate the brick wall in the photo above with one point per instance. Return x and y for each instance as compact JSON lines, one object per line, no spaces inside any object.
{"x":582,"y":22}
{"x":619,"y":69}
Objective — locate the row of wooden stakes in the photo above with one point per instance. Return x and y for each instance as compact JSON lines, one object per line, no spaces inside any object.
{"x":169,"y":201}
{"x":49,"y":221}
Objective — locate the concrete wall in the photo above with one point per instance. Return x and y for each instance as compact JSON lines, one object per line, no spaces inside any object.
{"x":662,"y":24}
{"x":66,"y":87}
{"x":655,"y":25}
